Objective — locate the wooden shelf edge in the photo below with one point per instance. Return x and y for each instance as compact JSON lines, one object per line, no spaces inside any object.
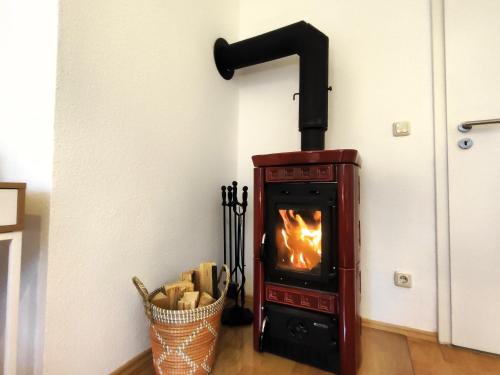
{"x":21,"y":206}
{"x":12,"y":185}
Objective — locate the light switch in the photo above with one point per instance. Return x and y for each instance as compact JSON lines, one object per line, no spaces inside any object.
{"x":401,"y":128}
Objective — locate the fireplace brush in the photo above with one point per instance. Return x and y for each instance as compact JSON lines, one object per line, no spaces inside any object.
{"x":233,"y":216}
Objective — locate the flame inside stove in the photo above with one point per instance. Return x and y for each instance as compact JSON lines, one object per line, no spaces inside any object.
{"x":299,"y":239}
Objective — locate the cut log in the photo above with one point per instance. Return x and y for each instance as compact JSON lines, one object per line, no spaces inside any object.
{"x":196,"y":279}
{"x":174,"y":292}
{"x":208,"y":278}
{"x":189,"y":300}
{"x":173,"y":295}
{"x":215,"y":286}
{"x":161,"y":300}
{"x":205,"y":299}
{"x":188,"y":286}
{"x":187,"y":276}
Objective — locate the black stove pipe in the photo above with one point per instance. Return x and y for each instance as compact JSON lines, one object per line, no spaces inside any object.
{"x":311,"y":45}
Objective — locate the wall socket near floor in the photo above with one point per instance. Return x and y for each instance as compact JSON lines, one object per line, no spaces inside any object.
{"x":402,"y":279}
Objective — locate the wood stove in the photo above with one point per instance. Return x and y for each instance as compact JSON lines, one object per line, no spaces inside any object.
{"x":306,"y":257}
{"x":306,"y":228}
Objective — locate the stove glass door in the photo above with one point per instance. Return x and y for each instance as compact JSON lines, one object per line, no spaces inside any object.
{"x":298,"y":240}
{"x":300,"y":245}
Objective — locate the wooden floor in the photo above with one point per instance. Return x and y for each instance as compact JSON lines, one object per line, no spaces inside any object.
{"x":384,"y":353}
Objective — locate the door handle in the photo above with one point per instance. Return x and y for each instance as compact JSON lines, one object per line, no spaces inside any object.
{"x":466,"y":126}
{"x":263,"y":248}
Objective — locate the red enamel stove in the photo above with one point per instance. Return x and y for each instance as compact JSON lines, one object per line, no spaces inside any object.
{"x":307,"y":276}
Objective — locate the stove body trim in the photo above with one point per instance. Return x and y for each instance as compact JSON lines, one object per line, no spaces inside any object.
{"x":342,"y":167}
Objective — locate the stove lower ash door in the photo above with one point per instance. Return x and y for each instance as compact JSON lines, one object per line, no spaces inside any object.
{"x":303,"y":336}
{"x":301,"y":234}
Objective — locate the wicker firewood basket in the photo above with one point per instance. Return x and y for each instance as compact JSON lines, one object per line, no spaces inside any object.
{"x":183,"y":342}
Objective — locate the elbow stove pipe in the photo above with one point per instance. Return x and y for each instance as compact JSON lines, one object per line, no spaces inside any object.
{"x":311,"y":45}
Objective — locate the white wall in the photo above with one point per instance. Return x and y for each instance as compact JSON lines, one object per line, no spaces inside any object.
{"x":28,"y":41}
{"x":145,"y":133}
{"x":380,"y":69}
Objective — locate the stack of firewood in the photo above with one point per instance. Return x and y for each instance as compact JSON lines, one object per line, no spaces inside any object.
{"x":195,"y":288}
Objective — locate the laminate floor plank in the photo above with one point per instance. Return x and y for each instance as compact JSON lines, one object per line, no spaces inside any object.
{"x":237,"y":357}
{"x":474,"y":362}
{"x":427,"y":359}
{"x":383,"y":353}
{"x":432,"y":359}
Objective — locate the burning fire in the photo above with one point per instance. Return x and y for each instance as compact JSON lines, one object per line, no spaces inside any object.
{"x":301,"y":240}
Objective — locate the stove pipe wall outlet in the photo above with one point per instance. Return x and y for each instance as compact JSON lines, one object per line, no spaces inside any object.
{"x":311,"y":45}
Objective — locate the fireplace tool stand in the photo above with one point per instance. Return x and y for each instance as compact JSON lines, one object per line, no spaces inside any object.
{"x":233,"y":215}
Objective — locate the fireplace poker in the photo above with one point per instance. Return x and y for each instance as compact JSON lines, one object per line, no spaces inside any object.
{"x":236,"y":233}
{"x":230,"y":200}
{"x":223,"y":189}
{"x":244,"y":205}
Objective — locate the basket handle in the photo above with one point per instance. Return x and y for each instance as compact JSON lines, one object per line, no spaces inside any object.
{"x":144,"y":294}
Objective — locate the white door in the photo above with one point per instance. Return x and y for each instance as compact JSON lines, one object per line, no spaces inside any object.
{"x":472,"y":39}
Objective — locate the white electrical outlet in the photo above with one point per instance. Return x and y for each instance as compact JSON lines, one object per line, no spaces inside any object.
{"x":402,"y":279}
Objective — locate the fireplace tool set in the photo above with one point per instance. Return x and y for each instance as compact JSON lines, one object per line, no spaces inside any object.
{"x":233,"y":215}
